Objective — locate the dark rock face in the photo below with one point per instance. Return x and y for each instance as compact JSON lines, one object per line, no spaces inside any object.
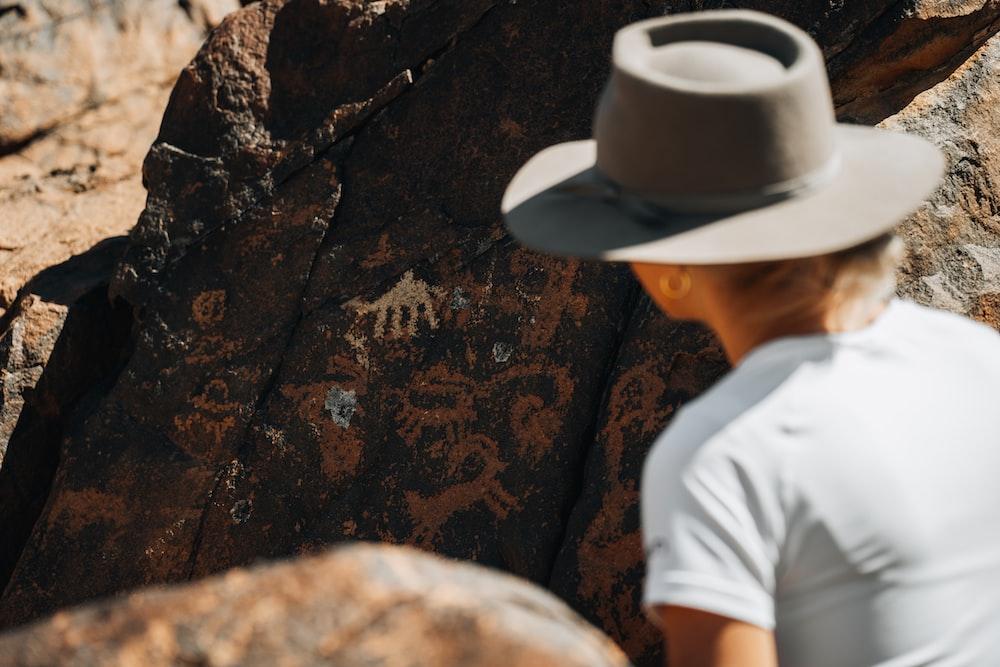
{"x":82,"y":88}
{"x":356,"y":606}
{"x":336,"y":341}
{"x":62,"y":340}
{"x":954,"y":240}
{"x":660,"y":365}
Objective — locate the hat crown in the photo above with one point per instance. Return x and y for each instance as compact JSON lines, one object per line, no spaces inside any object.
{"x":715,"y":63}
{"x":714,"y":104}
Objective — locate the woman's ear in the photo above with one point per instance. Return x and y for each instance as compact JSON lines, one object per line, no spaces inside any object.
{"x":671,"y":287}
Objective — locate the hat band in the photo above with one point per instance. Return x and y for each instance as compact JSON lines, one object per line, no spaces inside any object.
{"x":657,"y":204}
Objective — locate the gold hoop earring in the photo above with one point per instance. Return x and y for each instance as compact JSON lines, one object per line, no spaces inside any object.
{"x":675,"y":292}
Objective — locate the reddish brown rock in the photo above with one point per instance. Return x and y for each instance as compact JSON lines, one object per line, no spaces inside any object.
{"x":954,"y":240}
{"x":61,"y":58}
{"x":355,"y":606}
{"x":334,"y":338}
{"x":82,"y":89}
{"x":60,"y":342}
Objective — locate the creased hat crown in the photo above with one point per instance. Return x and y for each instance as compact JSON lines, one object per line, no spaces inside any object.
{"x":715,"y":104}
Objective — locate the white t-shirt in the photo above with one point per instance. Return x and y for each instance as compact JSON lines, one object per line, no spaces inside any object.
{"x":843,"y":490}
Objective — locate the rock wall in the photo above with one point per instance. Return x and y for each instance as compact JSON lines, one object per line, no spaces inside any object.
{"x":357,"y":606}
{"x":82,"y":89}
{"x":335,"y":340}
{"x":954,"y":241}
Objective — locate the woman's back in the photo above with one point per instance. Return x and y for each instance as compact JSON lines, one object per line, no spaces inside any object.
{"x":842,"y":489}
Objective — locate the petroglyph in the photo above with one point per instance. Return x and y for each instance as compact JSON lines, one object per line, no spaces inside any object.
{"x":397,"y":314}
{"x":209,"y":307}
{"x":398,"y":311}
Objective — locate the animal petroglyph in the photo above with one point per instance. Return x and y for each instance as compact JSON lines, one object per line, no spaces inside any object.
{"x":397,"y":313}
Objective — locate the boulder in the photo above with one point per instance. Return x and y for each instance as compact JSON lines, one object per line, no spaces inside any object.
{"x":335,"y":339}
{"x":356,"y":606}
{"x":82,"y":89}
{"x":59,"y":58}
{"x":954,"y":240}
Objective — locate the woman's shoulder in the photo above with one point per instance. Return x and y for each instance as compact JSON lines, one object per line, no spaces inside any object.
{"x":717,"y":428}
{"x":933,"y":320}
{"x":938,"y":340}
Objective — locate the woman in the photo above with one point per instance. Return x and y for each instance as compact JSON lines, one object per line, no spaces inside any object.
{"x":830,"y":501}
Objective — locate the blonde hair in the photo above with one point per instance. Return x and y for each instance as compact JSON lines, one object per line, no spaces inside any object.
{"x":800,"y":290}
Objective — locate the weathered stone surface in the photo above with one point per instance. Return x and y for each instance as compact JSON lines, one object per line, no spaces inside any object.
{"x":336,"y":340}
{"x":356,"y":606}
{"x":911,"y":47}
{"x":61,"y":340}
{"x":79,"y":184}
{"x":660,"y":366}
{"x":59,"y":58}
{"x":954,"y":240}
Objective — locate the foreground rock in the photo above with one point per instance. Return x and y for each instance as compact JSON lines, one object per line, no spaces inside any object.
{"x":353,"y":607}
{"x":335,"y":339}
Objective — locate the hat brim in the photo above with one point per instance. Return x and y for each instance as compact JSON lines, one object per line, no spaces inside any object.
{"x":883,"y":176}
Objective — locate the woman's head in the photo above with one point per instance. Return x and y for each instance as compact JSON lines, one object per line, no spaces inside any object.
{"x":792,"y":294}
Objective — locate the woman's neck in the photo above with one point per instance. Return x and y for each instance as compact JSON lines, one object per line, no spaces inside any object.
{"x":738,"y":339}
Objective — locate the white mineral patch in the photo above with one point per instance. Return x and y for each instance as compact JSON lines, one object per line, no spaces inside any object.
{"x":989,"y":263}
{"x":942,"y":294}
{"x":341,"y":403}
{"x":459,"y":299}
{"x":502,"y":352}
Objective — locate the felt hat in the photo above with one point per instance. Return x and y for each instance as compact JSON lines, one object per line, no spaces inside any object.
{"x":715,"y":141}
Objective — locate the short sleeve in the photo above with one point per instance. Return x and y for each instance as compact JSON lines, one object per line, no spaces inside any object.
{"x":712,"y":524}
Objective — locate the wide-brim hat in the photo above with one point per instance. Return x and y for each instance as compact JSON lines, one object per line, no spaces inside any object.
{"x":715,"y":141}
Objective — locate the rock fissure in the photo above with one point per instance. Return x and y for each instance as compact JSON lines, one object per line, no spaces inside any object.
{"x":265,"y":393}
{"x":905,"y":53}
{"x":589,"y":434}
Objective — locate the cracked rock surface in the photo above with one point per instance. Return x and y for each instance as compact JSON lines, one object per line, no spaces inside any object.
{"x":954,"y":240}
{"x":82,"y":87}
{"x":356,"y":606}
{"x":334,"y":339}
